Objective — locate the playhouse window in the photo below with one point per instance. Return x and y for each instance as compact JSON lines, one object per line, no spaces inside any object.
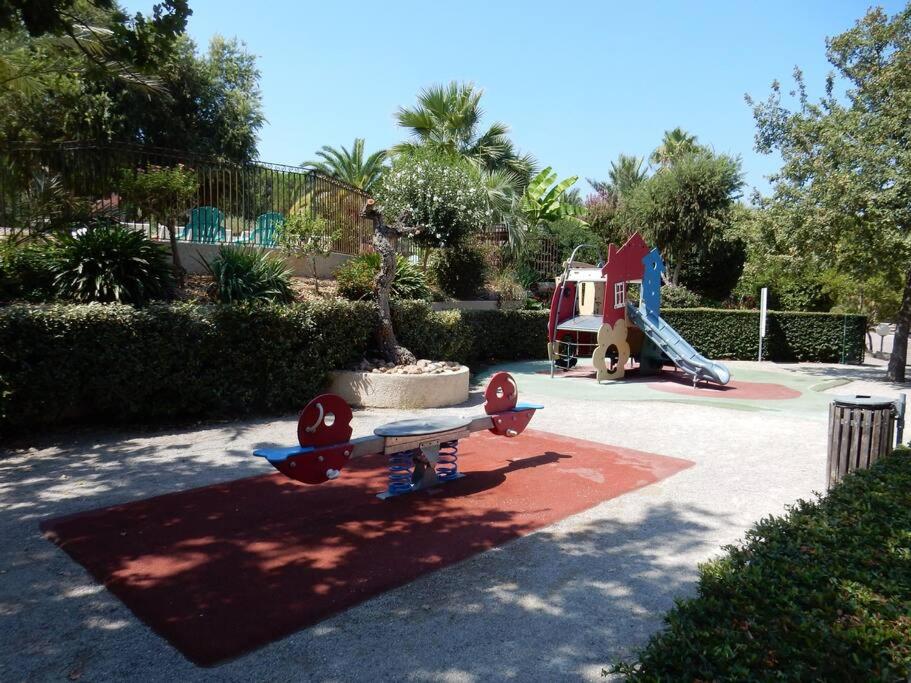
{"x":619,"y":294}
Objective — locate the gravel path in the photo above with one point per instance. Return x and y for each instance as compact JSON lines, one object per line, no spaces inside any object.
{"x":558,"y":604}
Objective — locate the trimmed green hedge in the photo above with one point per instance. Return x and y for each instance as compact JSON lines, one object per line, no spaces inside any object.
{"x":790,"y":336}
{"x":472,"y":336}
{"x":820,"y":594}
{"x":119,"y":363}
{"x":68,"y":362}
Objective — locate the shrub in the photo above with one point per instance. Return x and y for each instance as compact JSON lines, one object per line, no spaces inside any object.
{"x":678,"y":296}
{"x":471,"y":336}
{"x":117,"y":363}
{"x":568,"y":234}
{"x":441,"y":194}
{"x":820,"y":594}
{"x":108,"y":262}
{"x":790,"y":336}
{"x":249,"y":274}
{"x":27,"y":272}
{"x":507,"y":286}
{"x":459,"y":271}
{"x":356,"y":278}
{"x":306,"y":237}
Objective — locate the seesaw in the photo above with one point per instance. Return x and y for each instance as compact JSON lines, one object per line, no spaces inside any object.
{"x":422,"y":452}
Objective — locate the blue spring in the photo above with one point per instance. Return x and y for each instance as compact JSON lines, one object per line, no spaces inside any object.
{"x":401,"y":467}
{"x":448,"y":462}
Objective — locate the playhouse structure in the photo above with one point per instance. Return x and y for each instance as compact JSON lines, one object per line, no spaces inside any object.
{"x":589,"y":312}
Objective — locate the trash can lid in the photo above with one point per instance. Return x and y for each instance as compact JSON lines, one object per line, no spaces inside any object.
{"x":863,"y":401}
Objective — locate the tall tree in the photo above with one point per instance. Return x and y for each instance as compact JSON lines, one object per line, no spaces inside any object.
{"x":350,"y":166}
{"x":684,"y":205}
{"x":676,"y":144}
{"x":624,"y":176}
{"x":449,"y":117}
{"x":96,"y":86}
{"x":846,"y":174}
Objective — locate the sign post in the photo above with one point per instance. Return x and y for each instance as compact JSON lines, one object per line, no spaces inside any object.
{"x":763,"y":309}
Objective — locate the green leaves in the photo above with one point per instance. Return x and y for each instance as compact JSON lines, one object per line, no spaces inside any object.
{"x":356,"y":278}
{"x":108,"y":262}
{"x":447,"y":118}
{"x":441,"y":195}
{"x":243,"y":274}
{"x":545,"y":199}
{"x":351,"y":166}
{"x":822,"y":593}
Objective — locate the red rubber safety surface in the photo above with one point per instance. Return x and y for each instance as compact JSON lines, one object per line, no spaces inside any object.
{"x":736,"y":389}
{"x":679,"y":383}
{"x":224,"y":569}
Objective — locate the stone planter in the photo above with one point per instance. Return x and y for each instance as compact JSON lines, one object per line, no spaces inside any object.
{"x":386,"y":390}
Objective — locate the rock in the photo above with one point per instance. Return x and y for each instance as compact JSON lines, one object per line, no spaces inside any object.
{"x":423,"y":363}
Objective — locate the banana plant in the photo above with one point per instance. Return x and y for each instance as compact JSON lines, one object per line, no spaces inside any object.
{"x":545,"y":200}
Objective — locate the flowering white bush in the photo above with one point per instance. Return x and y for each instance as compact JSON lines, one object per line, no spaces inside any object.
{"x":440,"y":195}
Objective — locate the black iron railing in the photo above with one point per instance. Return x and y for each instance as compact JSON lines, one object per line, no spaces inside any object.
{"x":244,"y":200}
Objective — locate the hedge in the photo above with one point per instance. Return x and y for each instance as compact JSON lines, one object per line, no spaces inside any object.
{"x":790,"y":336}
{"x":822,"y":593}
{"x":472,"y":336}
{"x":117,"y":363}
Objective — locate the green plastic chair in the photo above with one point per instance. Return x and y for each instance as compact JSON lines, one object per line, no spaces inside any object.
{"x":206,"y":224}
{"x":263,"y":233}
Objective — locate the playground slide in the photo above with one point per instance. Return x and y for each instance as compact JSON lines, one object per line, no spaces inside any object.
{"x":677,"y":348}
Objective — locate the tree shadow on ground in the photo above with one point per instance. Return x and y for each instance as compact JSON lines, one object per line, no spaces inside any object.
{"x":549,"y":605}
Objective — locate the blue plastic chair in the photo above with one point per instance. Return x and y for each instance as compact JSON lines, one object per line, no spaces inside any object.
{"x":263,"y":233}
{"x":206,"y":224}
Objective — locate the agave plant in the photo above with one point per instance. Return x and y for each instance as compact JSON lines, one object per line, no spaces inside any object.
{"x":356,"y":278}
{"x":248,"y":274}
{"x":107,"y":261}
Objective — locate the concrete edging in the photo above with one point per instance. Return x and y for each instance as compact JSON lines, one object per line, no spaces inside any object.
{"x":385,"y":390}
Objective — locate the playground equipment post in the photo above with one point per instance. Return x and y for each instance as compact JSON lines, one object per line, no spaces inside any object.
{"x":763,"y":309}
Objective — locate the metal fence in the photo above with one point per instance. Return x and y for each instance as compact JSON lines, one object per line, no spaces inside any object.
{"x":242,"y":200}
{"x":235,"y":203}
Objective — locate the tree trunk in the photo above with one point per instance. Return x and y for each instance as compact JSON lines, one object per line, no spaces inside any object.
{"x":899,"y":354}
{"x":315,"y":276}
{"x":179,"y":271}
{"x":675,"y":273}
{"x":385,"y":239}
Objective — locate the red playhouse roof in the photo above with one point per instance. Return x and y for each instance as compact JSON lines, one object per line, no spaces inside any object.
{"x":625,"y":263}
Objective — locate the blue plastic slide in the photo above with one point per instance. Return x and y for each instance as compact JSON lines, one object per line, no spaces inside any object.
{"x":677,"y":348}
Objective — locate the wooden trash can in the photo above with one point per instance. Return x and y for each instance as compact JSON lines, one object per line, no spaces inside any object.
{"x":861,"y":430}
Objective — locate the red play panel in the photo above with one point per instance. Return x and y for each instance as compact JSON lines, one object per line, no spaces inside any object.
{"x":221,"y":570}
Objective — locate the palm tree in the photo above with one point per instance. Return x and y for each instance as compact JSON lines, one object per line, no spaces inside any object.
{"x":449,"y":117}
{"x":675,"y":145}
{"x":350,"y":166}
{"x":625,"y":174}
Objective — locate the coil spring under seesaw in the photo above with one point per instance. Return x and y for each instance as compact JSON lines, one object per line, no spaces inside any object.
{"x":448,"y":461}
{"x":401,"y":468}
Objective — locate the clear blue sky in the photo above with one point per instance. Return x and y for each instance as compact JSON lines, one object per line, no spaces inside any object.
{"x":578,"y":82}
